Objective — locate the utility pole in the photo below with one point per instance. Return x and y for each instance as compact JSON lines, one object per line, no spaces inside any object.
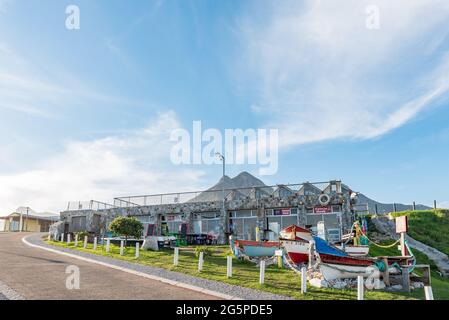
{"x":223,"y":160}
{"x":26,"y":225}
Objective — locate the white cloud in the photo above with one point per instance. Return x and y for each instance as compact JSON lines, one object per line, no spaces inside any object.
{"x":323,"y":75}
{"x":444,"y":205}
{"x":129,"y":164}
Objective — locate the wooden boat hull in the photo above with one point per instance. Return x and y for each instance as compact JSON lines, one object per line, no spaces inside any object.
{"x":255,"y":249}
{"x":331,"y":271}
{"x":297,"y":251}
{"x":357,"y":251}
{"x":337,"y":267}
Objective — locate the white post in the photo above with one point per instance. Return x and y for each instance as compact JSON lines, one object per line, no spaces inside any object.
{"x":429,"y":293}
{"x":200,"y":262}
{"x":85,"y":242}
{"x":229,"y":271}
{"x":121,"y":247}
{"x":137,"y":249}
{"x":49,"y":237}
{"x":176,"y":257}
{"x":95,"y":243}
{"x":262,"y":272}
{"x":62,"y":237}
{"x":108,"y":245}
{"x":76,"y":240}
{"x":360,"y":287}
{"x":303,"y":280}
{"x":68,"y":238}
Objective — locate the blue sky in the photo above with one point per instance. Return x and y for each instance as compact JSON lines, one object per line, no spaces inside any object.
{"x":86,"y":114}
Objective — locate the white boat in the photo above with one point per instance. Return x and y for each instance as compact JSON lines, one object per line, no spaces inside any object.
{"x":332,"y":271}
{"x":356,"y":251}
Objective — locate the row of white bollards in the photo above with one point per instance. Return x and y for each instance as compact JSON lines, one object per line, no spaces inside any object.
{"x":360,"y":280}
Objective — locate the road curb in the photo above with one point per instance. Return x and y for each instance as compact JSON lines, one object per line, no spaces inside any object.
{"x":137,"y":273}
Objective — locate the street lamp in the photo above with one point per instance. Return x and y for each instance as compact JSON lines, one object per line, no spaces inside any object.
{"x":223,"y":160}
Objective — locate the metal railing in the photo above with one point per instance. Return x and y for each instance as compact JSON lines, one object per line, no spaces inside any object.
{"x":217,"y":195}
{"x":88,"y":205}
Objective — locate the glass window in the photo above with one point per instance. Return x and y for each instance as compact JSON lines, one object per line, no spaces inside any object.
{"x":243,"y":214}
{"x":250,"y":229}
{"x":288,"y":221}
{"x":336,"y":208}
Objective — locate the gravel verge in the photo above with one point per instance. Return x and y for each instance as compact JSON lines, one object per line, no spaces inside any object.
{"x":6,"y":293}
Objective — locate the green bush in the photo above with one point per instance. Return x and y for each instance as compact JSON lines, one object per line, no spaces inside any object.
{"x":204,"y":249}
{"x":127,"y":227}
{"x":82,"y":234}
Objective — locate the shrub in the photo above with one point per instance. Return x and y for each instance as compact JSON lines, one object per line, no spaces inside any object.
{"x":207,"y":251}
{"x":127,"y":227}
{"x":82,"y":234}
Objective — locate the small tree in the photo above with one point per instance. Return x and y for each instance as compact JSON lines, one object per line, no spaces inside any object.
{"x":127,"y":227}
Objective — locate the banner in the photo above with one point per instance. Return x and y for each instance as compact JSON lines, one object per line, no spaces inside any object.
{"x":282,"y":212}
{"x":322,"y":210}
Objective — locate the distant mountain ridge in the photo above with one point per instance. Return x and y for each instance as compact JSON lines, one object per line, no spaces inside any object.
{"x":387,"y":207}
{"x":247,"y":180}
{"x":241,"y":181}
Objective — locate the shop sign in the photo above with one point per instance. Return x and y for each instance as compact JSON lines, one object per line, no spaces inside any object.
{"x":282,"y":212}
{"x":322,"y":209}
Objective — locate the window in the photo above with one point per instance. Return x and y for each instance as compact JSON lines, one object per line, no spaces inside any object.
{"x":243,"y":224}
{"x":78,"y":223}
{"x":336,"y":208}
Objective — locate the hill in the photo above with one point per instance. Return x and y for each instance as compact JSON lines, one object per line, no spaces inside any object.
{"x":431,"y":227}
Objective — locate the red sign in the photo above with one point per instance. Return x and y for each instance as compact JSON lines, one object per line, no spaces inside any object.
{"x":322,"y":210}
{"x":401,"y":224}
{"x":282,"y":212}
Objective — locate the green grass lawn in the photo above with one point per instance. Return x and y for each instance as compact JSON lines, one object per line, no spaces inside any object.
{"x":429,"y":226}
{"x":280,"y":281}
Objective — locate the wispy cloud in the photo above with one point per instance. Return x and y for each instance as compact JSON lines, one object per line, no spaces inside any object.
{"x":322,"y":74}
{"x":4,"y":5}
{"x":133,"y":163}
{"x":26,"y":89}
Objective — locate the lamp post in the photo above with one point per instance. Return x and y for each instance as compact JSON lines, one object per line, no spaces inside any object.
{"x":223,"y":160}
{"x":26,"y":225}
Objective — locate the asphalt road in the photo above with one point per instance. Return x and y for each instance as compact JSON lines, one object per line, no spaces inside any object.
{"x":38,"y":274}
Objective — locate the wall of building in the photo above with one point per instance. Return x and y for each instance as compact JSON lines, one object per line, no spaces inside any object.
{"x":303,"y":203}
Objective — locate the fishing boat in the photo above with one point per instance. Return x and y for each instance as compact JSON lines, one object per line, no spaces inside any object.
{"x":296,"y":239}
{"x":254,"y":249}
{"x":355,"y":251}
{"x":335,"y":263}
